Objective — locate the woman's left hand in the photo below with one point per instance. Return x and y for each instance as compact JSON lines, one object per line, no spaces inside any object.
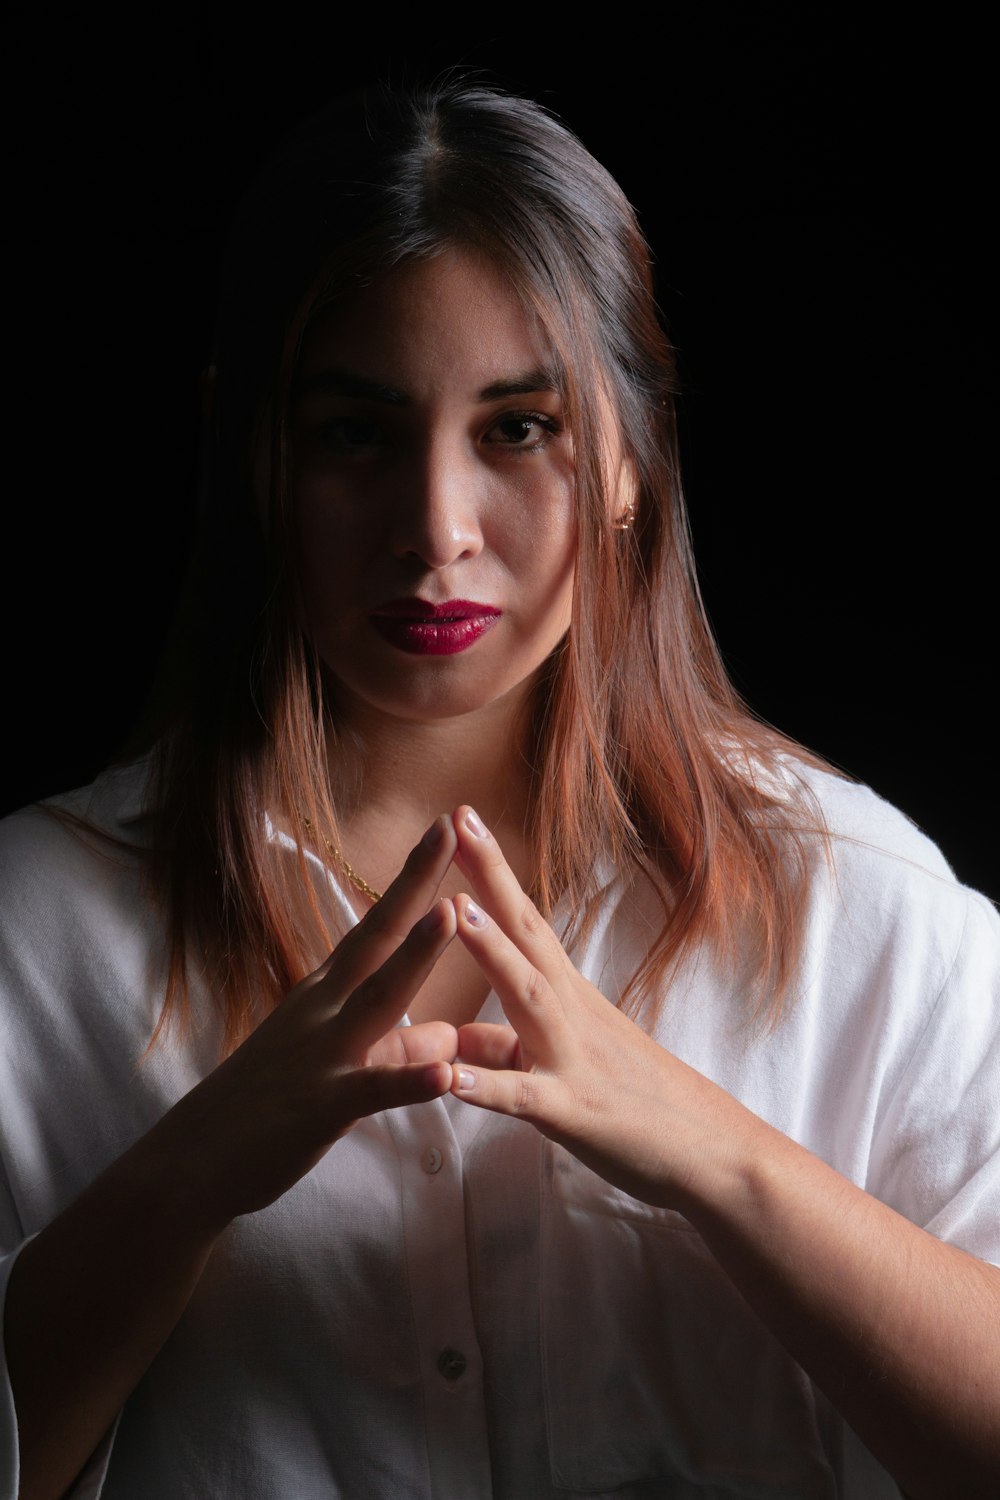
{"x":571,"y":1063}
{"x":848,"y":1285}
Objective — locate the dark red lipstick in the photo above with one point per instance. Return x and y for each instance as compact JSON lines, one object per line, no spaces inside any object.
{"x":427,"y":629}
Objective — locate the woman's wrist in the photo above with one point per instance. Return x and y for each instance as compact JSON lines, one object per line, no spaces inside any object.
{"x":177,"y":1177}
{"x":716,"y":1153}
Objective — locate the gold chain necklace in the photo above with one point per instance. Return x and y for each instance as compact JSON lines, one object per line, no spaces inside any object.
{"x":358,"y":881}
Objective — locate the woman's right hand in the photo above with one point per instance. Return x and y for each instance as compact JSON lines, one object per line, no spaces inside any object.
{"x":92,"y":1297}
{"x":330,"y":1054}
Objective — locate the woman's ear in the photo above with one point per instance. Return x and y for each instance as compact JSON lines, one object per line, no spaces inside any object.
{"x":626,"y":497}
{"x":621,"y":482}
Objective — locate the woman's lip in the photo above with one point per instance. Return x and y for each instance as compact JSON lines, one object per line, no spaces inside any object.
{"x":422,"y":609}
{"x":434,"y":636}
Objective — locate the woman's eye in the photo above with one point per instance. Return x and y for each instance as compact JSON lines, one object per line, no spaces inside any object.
{"x":348,"y":435}
{"x":523,"y":430}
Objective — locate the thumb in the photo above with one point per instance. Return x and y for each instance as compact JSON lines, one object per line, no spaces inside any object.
{"x":366,"y":1091}
{"x":525,"y":1096}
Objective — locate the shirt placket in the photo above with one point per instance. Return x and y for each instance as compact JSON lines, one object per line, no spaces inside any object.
{"x":437,"y":1268}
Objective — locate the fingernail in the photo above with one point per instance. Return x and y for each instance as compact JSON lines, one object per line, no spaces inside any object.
{"x":474,"y":915}
{"x":475,"y":824}
{"x":433,"y":919}
{"x":466,"y":1080}
{"x":434,"y":834}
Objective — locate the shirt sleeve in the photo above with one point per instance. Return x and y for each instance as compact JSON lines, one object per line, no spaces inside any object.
{"x":44,"y":1068}
{"x":9,"y":1465}
{"x":936,"y":1154}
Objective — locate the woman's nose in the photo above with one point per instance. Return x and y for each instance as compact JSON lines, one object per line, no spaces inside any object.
{"x":436,"y":514}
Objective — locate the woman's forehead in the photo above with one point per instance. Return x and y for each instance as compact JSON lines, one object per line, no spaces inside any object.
{"x":452,"y":320}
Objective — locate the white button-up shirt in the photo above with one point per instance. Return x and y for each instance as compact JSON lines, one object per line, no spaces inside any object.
{"x":450,"y":1306}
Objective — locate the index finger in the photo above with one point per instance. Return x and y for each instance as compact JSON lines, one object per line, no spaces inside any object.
{"x":480,"y":857}
{"x":385,"y":927}
{"x":379,"y":1003}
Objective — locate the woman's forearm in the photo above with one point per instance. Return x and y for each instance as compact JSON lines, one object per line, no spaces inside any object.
{"x":89,"y":1303}
{"x":901,"y":1331}
{"x":92,"y":1299}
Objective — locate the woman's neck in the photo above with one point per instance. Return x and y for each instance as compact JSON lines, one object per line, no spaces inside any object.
{"x":391,"y":777}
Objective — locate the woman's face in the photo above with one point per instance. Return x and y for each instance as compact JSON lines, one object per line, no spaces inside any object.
{"x":434,"y":492}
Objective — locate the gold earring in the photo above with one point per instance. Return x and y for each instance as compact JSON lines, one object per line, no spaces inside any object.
{"x":626,"y":519}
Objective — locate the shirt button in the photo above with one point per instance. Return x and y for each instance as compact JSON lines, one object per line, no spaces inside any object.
{"x":451,"y":1364}
{"x":432,"y":1159}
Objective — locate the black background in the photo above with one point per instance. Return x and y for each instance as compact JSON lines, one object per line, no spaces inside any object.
{"x":815,"y":182}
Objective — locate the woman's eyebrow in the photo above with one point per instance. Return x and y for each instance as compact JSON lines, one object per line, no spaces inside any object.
{"x":343,"y":383}
{"x":531,"y":382}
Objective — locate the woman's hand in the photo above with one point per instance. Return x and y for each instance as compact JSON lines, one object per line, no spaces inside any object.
{"x":901,"y":1331}
{"x":571,"y":1063}
{"x":92,"y":1297}
{"x":331,"y":1053}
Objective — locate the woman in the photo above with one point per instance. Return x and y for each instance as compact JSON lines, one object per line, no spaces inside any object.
{"x":684,"y":1190}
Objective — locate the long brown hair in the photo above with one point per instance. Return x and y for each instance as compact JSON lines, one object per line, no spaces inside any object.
{"x":640,"y":747}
